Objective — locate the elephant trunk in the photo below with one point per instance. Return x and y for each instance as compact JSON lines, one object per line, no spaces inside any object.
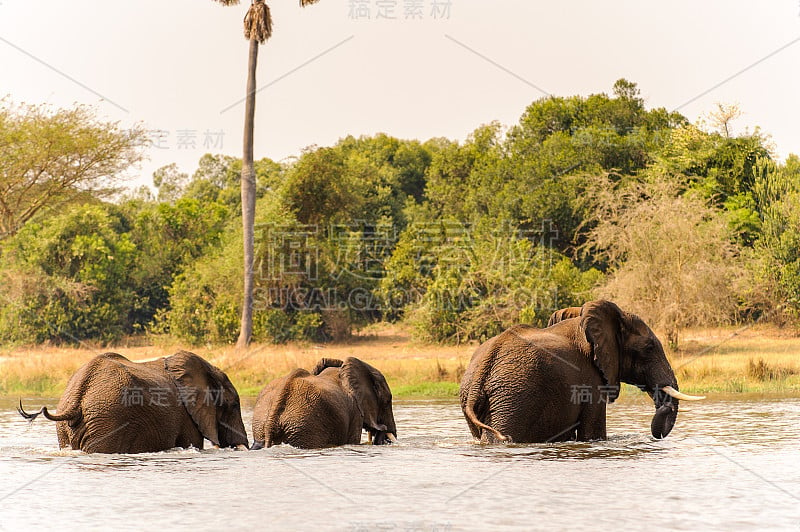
{"x":664,"y":418}
{"x":666,"y":404}
{"x":384,"y":437}
{"x":383,"y":433}
{"x":380,"y":438}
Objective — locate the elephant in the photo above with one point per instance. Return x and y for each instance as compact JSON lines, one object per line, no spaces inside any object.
{"x":530,"y":385}
{"x":114,"y":405}
{"x":325,"y":408}
{"x":564,"y":314}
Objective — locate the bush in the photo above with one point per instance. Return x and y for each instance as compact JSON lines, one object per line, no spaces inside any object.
{"x":491,"y":280}
{"x":775,"y":260}
{"x":71,"y":277}
{"x":169,"y":237}
{"x":761,"y":371}
{"x":35,"y":308}
{"x":673,"y":257}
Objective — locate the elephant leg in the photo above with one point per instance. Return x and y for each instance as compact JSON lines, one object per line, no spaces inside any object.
{"x":107,"y":440}
{"x":592,"y":422}
{"x":189,"y":435}
{"x":63,"y":434}
{"x":532,"y":417}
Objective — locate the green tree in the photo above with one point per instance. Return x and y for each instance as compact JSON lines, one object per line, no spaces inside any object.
{"x":51,"y":158}
{"x":170,"y":182}
{"x":169,"y":238}
{"x":320,"y":191}
{"x":217,"y":179}
{"x":462,"y":179}
{"x":717,"y":166}
{"x":361,"y":181}
{"x":776,"y":254}
{"x":290,"y":300}
{"x":83,"y":260}
{"x":483,"y":280}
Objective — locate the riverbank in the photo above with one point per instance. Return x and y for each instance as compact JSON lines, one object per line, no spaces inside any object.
{"x":726,"y":361}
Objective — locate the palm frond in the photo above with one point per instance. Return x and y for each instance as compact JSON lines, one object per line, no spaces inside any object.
{"x":258,"y":22}
{"x":227,"y":2}
{"x":304,"y":3}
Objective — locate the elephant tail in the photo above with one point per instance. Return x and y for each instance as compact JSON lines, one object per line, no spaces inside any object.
{"x":70,"y":415}
{"x":475,"y":399}
{"x":469,"y":412}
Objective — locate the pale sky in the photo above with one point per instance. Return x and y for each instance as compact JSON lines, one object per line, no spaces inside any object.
{"x":178,"y":66}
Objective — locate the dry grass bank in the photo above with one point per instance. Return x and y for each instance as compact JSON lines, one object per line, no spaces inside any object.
{"x":410,"y":368}
{"x":759,"y":359}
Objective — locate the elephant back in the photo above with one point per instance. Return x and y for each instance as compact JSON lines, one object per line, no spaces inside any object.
{"x":118,"y":402}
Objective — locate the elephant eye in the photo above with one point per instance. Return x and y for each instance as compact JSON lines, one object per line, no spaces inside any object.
{"x":649,"y":347}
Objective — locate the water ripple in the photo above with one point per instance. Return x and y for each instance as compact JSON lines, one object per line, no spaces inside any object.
{"x":737,"y":463}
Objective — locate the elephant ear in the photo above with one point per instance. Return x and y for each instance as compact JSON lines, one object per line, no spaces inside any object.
{"x":602,"y":322}
{"x":326,"y":363}
{"x":564,"y":314}
{"x":200,"y":391}
{"x":368,"y":387}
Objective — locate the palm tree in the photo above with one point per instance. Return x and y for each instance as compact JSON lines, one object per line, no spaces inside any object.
{"x":257,"y":29}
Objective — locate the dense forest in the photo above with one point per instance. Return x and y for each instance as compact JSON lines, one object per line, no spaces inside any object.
{"x":587,"y":196}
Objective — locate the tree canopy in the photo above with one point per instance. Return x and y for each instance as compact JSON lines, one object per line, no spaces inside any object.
{"x":49,"y":158}
{"x":585,"y":197}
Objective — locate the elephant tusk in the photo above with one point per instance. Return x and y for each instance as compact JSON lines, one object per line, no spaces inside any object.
{"x":241,"y":447}
{"x":392,"y":437}
{"x":672,"y":392}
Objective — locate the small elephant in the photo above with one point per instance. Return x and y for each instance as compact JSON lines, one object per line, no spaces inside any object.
{"x":325,"y":408}
{"x":113,"y":405}
{"x":531,"y":385}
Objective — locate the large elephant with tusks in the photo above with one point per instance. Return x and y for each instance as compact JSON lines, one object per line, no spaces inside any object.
{"x":531,"y":385}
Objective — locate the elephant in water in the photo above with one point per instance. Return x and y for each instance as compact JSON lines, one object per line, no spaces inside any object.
{"x":325,"y":408}
{"x":113,"y":405}
{"x":532,"y":385}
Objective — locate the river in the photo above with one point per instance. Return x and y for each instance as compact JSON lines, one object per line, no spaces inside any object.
{"x":728,"y":465}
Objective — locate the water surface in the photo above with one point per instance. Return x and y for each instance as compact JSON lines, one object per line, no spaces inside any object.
{"x":728,"y":465}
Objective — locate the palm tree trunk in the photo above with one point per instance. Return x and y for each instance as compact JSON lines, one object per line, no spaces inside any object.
{"x":249,"y":198}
